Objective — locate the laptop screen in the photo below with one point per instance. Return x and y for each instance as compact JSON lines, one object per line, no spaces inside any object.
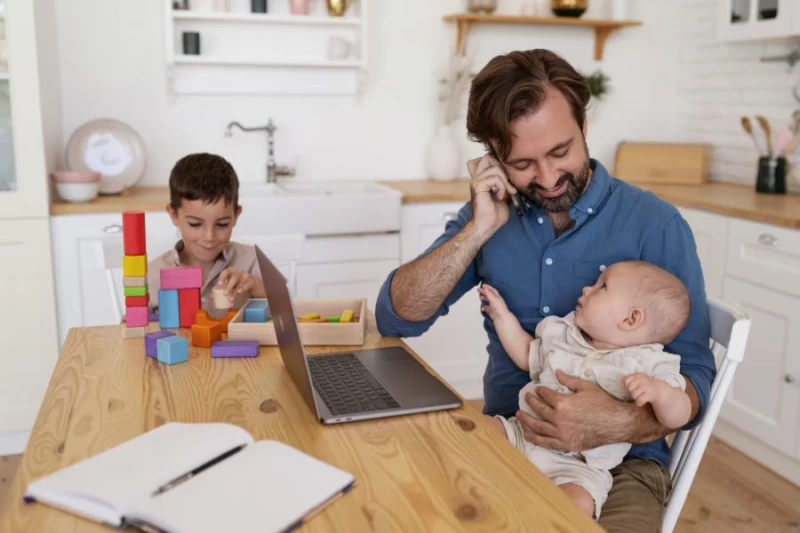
{"x":283,"y":317}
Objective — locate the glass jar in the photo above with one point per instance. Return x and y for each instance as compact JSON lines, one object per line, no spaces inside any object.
{"x":486,"y":7}
{"x":569,"y":8}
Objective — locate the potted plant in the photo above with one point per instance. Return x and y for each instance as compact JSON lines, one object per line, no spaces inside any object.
{"x":598,"y":90}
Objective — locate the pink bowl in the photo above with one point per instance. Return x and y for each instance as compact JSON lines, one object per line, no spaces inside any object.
{"x":65,"y":176}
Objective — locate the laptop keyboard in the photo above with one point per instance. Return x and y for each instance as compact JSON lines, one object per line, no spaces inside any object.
{"x":346,"y":386}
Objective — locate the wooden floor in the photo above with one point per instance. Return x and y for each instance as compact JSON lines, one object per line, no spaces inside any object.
{"x":731,"y":494}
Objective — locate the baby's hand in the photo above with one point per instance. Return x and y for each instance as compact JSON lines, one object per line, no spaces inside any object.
{"x":643,"y":388}
{"x":235,"y":282}
{"x":495,"y":305}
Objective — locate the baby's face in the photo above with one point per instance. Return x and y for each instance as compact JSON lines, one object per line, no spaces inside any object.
{"x":604,"y":305}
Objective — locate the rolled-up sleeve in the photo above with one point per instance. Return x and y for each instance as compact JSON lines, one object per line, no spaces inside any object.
{"x":673,"y":248}
{"x":390,"y":323}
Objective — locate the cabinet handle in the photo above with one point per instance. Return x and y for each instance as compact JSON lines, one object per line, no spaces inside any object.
{"x":113,"y":228}
{"x":788,"y":378}
{"x":449,"y":216}
{"x":767,"y":240}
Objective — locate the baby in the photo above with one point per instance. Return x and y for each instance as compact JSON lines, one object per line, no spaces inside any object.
{"x":614,"y":337}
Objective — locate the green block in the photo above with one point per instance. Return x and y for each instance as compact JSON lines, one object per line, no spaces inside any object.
{"x":334,"y":319}
{"x":136,"y":291}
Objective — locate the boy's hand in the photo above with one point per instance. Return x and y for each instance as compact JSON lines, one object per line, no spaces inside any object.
{"x":644,"y":389}
{"x":496,"y":307}
{"x":236,"y":282}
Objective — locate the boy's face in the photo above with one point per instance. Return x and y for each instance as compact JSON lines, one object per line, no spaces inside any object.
{"x":604,"y":307}
{"x":205,"y":228}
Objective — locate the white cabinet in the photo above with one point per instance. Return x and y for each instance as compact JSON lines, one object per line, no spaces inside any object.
{"x":764,"y":399}
{"x":82,"y":292}
{"x":710,"y":234}
{"x":741,"y":20}
{"x":455,"y":346}
{"x":27,"y":322}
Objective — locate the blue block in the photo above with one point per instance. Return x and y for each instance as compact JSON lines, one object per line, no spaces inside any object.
{"x":173,"y":350}
{"x":169,"y":309}
{"x":257,"y":311}
{"x":151,"y":342}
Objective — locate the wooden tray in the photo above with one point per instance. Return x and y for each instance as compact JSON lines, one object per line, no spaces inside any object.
{"x":312,"y":333}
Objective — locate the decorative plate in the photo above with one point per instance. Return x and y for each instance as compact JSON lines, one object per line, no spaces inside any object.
{"x":109,"y":147}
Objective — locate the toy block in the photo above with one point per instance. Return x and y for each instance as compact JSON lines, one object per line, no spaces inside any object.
{"x":310,"y":316}
{"x":219,"y":300}
{"x":227,"y":320}
{"x":205,"y":335}
{"x":169,"y":315}
{"x":333,"y":319}
{"x":154,"y":316}
{"x":133,"y":233}
{"x":134,"y":282}
{"x":201,"y":317}
{"x":137,"y":301}
{"x":257,"y":311}
{"x":235,"y":349}
{"x":130,"y":333}
{"x":151,"y":342}
{"x":136,"y":291}
{"x":347,"y":316}
{"x":134,"y":266}
{"x":189,"y":303}
{"x":182,"y":278}
{"x":136,"y":317}
{"x":172,"y":350}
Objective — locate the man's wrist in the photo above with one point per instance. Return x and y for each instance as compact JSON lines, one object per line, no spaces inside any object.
{"x":479,"y":233}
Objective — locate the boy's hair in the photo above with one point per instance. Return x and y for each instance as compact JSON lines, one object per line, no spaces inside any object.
{"x":665,"y":298}
{"x":203,"y":176}
{"x":513,"y":85}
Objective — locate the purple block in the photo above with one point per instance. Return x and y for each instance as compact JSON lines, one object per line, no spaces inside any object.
{"x":235,"y":349}
{"x":151,"y":342}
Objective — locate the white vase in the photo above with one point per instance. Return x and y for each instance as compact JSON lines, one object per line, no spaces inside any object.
{"x":443,"y":157}
{"x":619,"y":9}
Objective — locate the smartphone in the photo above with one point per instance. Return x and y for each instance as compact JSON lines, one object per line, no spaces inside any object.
{"x":520,"y":205}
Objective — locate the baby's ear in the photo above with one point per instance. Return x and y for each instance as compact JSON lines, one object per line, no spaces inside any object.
{"x":634,"y":319}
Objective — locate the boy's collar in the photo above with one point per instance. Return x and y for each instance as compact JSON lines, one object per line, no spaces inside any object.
{"x":175,"y":253}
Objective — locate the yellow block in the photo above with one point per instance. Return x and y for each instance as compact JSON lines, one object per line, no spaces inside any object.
{"x":347,"y":316}
{"x":134,"y":266}
{"x":310,"y":316}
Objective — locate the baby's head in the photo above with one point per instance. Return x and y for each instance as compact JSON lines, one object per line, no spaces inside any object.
{"x":633,"y":303}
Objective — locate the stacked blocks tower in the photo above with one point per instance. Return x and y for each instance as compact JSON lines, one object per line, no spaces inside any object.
{"x":134,"y":270}
{"x":179,"y":296}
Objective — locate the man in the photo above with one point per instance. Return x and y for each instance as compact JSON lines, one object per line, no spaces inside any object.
{"x":528,"y":108}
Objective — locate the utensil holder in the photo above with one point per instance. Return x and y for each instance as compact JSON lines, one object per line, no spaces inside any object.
{"x":191,"y":43}
{"x":771,"y":177}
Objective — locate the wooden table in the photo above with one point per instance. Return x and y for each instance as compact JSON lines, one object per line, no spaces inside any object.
{"x":445,"y":471}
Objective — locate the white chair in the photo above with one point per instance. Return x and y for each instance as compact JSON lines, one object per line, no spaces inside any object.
{"x":285,"y":251}
{"x":730,"y":328}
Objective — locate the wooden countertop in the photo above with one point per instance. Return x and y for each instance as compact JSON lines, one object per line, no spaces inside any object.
{"x":728,"y":199}
{"x":444,"y":471}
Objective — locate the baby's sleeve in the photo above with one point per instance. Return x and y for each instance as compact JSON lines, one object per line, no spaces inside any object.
{"x":667,"y":367}
{"x":534,"y":357}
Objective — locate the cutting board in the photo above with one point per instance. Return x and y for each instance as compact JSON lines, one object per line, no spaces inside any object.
{"x":679,"y":163}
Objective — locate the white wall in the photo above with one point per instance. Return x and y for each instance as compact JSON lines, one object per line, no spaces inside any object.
{"x":112,"y":65}
{"x":723,"y":81}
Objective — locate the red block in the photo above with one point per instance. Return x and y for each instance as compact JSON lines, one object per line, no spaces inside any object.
{"x":137,"y":301}
{"x":133,"y":233}
{"x":189,"y":302}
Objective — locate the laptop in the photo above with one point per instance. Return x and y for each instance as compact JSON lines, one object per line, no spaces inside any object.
{"x":355,"y":385}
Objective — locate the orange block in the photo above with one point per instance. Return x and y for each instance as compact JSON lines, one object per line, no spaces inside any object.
{"x":202,"y":317}
{"x":227,"y":320}
{"x":204,"y":335}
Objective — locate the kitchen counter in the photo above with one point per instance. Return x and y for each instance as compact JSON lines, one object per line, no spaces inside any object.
{"x":722,"y":198}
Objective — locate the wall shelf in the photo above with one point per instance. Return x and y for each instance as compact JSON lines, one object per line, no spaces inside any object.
{"x":602,"y":28}
{"x":298,"y":63}
{"x":302,"y":20}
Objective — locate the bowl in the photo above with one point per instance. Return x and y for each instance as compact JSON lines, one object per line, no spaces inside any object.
{"x":66,"y":176}
{"x":77,"y":192}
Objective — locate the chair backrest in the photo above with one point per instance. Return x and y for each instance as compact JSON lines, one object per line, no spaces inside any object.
{"x":730,"y":327}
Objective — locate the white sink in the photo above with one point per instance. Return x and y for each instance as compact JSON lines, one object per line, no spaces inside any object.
{"x":318,"y":208}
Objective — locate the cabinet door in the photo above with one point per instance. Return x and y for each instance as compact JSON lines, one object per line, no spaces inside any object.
{"x":763,"y":399}
{"x":27,"y":321}
{"x":455,"y":346}
{"x":346,"y":279}
{"x":710,"y":234}
{"x":742,"y":20}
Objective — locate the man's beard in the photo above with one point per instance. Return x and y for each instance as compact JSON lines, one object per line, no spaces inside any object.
{"x":576,"y":184}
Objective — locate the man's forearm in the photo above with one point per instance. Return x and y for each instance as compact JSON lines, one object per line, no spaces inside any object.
{"x":419,"y":288}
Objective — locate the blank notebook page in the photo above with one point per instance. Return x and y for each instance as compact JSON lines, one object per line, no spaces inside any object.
{"x":266,"y":487}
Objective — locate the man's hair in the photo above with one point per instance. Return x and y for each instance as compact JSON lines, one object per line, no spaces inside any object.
{"x":203,"y":176}
{"x":665,"y":299}
{"x":513,"y":85}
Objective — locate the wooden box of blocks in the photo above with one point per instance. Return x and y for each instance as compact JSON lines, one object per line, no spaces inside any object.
{"x":317,"y":323}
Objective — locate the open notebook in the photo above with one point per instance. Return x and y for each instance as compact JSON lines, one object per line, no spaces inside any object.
{"x":182,"y":478}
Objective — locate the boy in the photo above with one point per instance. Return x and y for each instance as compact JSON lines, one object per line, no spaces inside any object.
{"x":204,"y":206}
{"x":614,"y":337}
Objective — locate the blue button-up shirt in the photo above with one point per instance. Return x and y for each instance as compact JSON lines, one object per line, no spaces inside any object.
{"x":539,"y":274}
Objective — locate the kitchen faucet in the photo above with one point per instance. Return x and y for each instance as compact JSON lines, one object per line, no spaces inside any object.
{"x":274,"y":171}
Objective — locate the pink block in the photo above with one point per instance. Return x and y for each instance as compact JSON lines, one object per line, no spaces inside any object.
{"x":137,"y":317}
{"x":181,"y":278}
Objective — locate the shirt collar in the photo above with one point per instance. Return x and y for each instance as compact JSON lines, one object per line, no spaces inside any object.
{"x":225,"y":257}
{"x":593,"y":199}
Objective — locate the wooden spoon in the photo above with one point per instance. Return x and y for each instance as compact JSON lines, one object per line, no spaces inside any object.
{"x":767,"y":131}
{"x":748,"y":127}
